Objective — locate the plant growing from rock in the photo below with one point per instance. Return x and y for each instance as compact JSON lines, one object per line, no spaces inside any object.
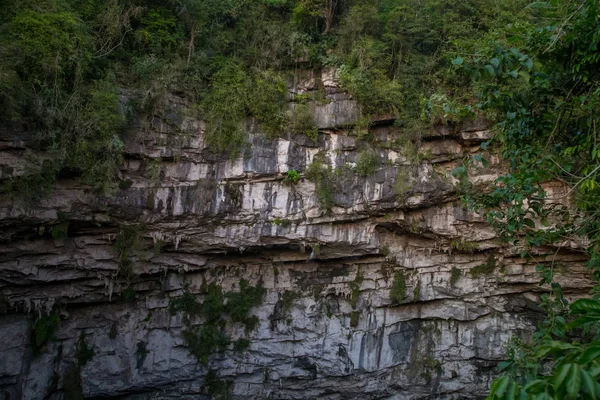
{"x":455,"y":275}
{"x":398,"y":290}
{"x":210,"y":337}
{"x":126,"y":240}
{"x":324,"y":178}
{"x":301,"y":121}
{"x":355,"y":288}
{"x":484,"y":269}
{"x":43,"y":330}
{"x":403,"y":183}
{"x":287,"y":300}
{"x":367,"y":163}
{"x":292,"y":177}
{"x":84,"y":352}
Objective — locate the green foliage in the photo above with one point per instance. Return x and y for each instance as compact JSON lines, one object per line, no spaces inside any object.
{"x":224,"y":108}
{"x":417,"y":291}
{"x":355,"y":318}
{"x":269,"y":94}
{"x":205,"y":340}
{"x":292,"y":177}
{"x":373,"y":90}
{"x":323,"y":177}
{"x":355,"y":288}
{"x":455,"y":275}
{"x":402,"y":184}
{"x":211,"y":337}
{"x":140,"y":354}
{"x":43,"y":330}
{"x":128,"y":295}
{"x":463,"y":245}
{"x":573,"y":367}
{"x":538,"y":81}
{"x":287,"y":300}
{"x":484,"y":269}
{"x":398,"y":290}
{"x":367,"y":163}
{"x":59,"y":231}
{"x":63,"y":65}
{"x":301,"y":121}
{"x":282,"y":222}
{"x":47,"y":47}
{"x":160,"y":31}
{"x":84,"y":352}
{"x":127,"y":240}
{"x":186,"y":303}
{"x":239,"y":303}
{"x":113,"y":332}
{"x":219,"y":389}
{"x":241,"y":344}
{"x":213,"y":304}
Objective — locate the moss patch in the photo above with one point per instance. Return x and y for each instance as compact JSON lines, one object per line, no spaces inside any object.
{"x":211,"y":337}
{"x":398,"y":291}
{"x":455,"y":275}
{"x":355,"y":286}
{"x":484,"y":269}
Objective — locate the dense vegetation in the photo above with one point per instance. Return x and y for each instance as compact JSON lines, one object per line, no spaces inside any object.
{"x":75,"y":73}
{"x":539,"y":80}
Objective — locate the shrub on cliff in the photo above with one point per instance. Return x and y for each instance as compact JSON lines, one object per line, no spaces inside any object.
{"x":538,"y":81}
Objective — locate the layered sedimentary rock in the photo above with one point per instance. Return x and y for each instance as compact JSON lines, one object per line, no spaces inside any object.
{"x":397,"y":291}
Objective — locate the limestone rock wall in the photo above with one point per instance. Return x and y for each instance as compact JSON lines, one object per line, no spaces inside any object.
{"x":396,"y":292}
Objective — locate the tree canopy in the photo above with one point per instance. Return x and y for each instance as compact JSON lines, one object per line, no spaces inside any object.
{"x":530,"y":67}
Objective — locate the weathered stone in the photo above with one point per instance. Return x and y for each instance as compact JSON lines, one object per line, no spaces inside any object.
{"x":327,"y":327}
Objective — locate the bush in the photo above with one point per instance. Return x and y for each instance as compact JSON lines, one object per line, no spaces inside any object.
{"x":44,"y":330}
{"x":266,"y":102}
{"x":402,"y":184}
{"x":224,"y":109}
{"x":292,"y":177}
{"x":48,"y":47}
{"x":367,"y":164}
{"x":301,"y":121}
{"x":239,"y":304}
{"x":206,"y":340}
{"x":398,"y":291}
{"x":323,"y":177}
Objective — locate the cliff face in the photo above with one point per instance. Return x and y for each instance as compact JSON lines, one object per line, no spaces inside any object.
{"x":395,"y":292}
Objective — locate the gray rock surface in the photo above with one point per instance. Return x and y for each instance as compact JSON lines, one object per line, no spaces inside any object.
{"x":200,"y":219}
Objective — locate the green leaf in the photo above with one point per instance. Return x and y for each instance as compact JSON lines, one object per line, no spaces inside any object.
{"x":511,"y":393}
{"x":542,"y":351}
{"x":595,"y":370}
{"x":538,"y":385}
{"x":457,"y":61}
{"x":588,"y":383}
{"x":499,"y":386}
{"x":560,"y":375}
{"x":529,"y":222}
{"x":585,"y":305}
{"x":586,"y":319}
{"x":504,"y":365}
{"x":573,"y":381}
{"x":590,"y":354}
{"x":495,"y":62}
{"x":525,"y":75}
{"x":545,"y":222}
